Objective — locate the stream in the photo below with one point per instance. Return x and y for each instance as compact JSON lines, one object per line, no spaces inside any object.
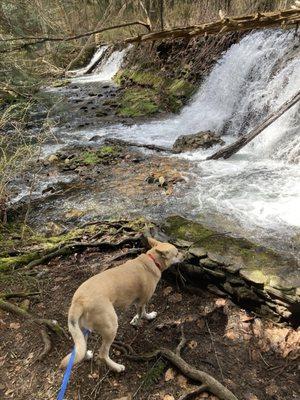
{"x":255,"y":194}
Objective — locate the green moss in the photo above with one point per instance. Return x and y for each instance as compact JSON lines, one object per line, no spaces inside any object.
{"x":89,"y":158}
{"x":256,"y":263}
{"x":99,"y":156}
{"x":138,"y":102}
{"x":154,"y":374}
{"x":181,"y":88}
{"x":61,"y":83}
{"x":149,"y":91}
{"x":142,"y":78}
{"x":7,"y":263}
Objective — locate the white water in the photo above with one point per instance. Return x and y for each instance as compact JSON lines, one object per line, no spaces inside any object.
{"x":258,"y":189}
{"x":106,"y":70}
{"x":96,"y":57}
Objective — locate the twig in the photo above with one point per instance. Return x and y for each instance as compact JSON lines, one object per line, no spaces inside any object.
{"x":47,"y":344}
{"x":265,"y":362}
{"x":143,"y":381}
{"x":194,"y":393}
{"x":181,"y":343}
{"x":214,"y":347}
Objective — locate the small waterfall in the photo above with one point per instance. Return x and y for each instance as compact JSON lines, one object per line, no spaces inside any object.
{"x":96,"y":57}
{"x":256,"y":193}
{"x":106,"y":69}
{"x":253,"y":78}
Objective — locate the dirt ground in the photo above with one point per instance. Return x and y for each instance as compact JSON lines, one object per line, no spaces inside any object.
{"x":255,"y":359}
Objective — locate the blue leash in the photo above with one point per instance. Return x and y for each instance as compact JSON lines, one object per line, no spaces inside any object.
{"x":67,"y":373}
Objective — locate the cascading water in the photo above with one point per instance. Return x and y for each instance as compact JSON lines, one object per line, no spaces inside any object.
{"x":257,"y":191}
{"x":96,"y":57}
{"x":106,"y":70}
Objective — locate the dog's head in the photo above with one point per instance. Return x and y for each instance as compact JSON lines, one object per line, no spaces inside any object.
{"x":167,"y":254}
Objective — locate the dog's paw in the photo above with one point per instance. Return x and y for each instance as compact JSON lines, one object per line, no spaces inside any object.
{"x":120,"y":368}
{"x":115,"y":366}
{"x":151,"y":315}
{"x":89,"y":355}
{"x":135,"y":320}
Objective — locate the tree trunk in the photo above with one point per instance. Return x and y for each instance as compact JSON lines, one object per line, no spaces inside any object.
{"x":233,"y":148}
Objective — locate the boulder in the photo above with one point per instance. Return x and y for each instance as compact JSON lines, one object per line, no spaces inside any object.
{"x":200,"y":140}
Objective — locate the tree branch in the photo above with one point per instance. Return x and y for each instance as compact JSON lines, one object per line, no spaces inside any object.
{"x":43,"y":39}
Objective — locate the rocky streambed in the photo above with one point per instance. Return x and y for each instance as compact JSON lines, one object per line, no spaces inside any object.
{"x":79,"y":177}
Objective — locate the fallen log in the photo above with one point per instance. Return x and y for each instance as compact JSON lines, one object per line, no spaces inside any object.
{"x":284,"y":19}
{"x":120,"y":142}
{"x":233,"y":148}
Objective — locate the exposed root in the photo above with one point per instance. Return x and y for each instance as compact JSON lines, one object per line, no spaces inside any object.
{"x":182,"y":342}
{"x":47,"y":344}
{"x":18,"y":295}
{"x":194,"y":393}
{"x":81,"y":246}
{"x":207,"y":381}
{"x":50,"y":324}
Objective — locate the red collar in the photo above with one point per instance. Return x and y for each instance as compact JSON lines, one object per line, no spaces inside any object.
{"x":155,"y":262}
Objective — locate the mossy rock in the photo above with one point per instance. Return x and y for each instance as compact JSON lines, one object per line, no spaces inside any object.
{"x":255,"y":264}
{"x":142,"y":78}
{"x":149,"y":91}
{"x":138,"y":102}
{"x":60,"y":83}
{"x":181,"y":88}
{"x":105,"y":154}
{"x":8,"y":263}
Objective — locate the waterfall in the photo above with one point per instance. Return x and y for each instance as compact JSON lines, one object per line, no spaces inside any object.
{"x":253,"y":78}
{"x":106,"y":69}
{"x":257,"y":191}
{"x":96,"y":57}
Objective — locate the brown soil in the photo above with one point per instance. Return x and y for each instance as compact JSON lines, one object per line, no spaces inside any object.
{"x":254,"y":358}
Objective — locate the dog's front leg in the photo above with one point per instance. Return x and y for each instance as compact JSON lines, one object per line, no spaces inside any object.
{"x":142,"y":314}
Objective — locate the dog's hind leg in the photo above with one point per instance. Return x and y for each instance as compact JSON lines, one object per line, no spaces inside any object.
{"x":106,"y":325}
{"x":142,"y":314}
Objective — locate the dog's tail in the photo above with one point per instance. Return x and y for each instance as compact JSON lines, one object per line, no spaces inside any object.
{"x":75,"y":312}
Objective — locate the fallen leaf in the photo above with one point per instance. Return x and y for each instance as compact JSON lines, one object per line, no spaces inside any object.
{"x":272,"y":389}
{"x":169,"y":191}
{"x":14,"y":325}
{"x":220,"y":302}
{"x":169,"y":375}
{"x":203,"y":395}
{"x":168,"y":397}
{"x":161,"y":180}
{"x":175,"y":298}
{"x":192,"y":344}
{"x":167,"y":290}
{"x":200,"y":323}
{"x":181,"y":381}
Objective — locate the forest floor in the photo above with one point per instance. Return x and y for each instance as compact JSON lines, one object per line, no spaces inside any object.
{"x":255,"y":359}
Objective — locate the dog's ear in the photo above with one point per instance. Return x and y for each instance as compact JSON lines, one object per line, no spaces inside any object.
{"x":162,"y":253}
{"x":152,"y":242}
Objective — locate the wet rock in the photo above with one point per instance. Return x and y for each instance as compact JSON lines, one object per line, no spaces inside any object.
{"x":202,"y":140}
{"x":95,"y":138}
{"x":251,"y":273}
{"x":53,"y":158}
{"x":198,"y":252}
